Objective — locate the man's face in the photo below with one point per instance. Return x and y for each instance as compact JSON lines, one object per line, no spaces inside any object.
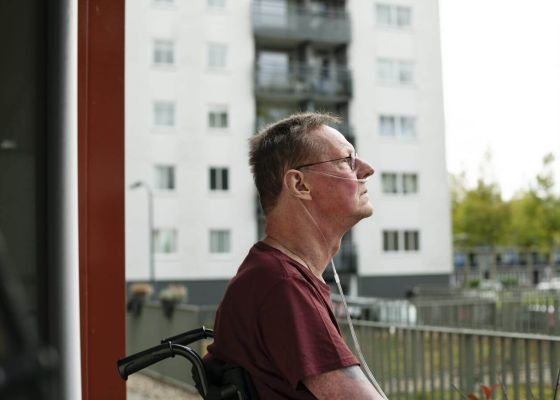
{"x":334,"y":188}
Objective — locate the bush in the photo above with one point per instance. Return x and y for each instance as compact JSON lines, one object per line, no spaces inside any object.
{"x":474,"y":284}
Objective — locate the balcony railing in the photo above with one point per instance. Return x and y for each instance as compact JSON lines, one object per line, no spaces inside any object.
{"x":302,"y":82}
{"x":410,"y":362}
{"x":276,"y":21}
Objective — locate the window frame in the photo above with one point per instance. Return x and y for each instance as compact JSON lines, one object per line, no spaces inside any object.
{"x":404,"y":180}
{"x":165,"y":50}
{"x":219,"y":111}
{"x":393,"y":14}
{"x":391,"y":240}
{"x":223,"y":247}
{"x":174,"y":240}
{"x":161,"y":113}
{"x":217,"y":176}
{"x":170,"y":179}
{"x":391,"y":71}
{"x":411,"y":240}
{"x":394,"y":184}
{"x":214,"y":55}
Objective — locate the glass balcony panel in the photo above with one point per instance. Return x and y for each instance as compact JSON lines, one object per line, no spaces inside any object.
{"x":302,"y":81}
{"x":277,"y":20}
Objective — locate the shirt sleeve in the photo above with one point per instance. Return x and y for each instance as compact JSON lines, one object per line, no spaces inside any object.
{"x":298,"y":334}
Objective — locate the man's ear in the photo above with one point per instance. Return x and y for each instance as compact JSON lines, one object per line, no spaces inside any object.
{"x":296,"y":185}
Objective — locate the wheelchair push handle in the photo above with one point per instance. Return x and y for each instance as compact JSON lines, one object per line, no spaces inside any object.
{"x":189,"y":337}
{"x":138,"y":361}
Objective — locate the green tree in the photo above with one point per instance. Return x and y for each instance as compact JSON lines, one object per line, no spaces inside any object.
{"x":480,"y":216}
{"x":530,"y":221}
{"x":535,"y":222}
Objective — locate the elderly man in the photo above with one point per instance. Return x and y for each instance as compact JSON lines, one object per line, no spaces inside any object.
{"x":276,"y":318}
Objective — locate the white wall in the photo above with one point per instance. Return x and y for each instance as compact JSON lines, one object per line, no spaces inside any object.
{"x":190,"y":145}
{"x":193,"y":147}
{"x":428,"y":211}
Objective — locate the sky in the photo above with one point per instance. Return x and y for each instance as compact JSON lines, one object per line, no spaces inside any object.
{"x":501,"y":79}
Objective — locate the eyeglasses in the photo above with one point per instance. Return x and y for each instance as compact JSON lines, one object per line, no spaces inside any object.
{"x":351,"y":160}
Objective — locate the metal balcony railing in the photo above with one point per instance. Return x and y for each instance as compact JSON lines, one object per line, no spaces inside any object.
{"x":410,"y":362}
{"x":280,"y":22}
{"x":301,"y":82}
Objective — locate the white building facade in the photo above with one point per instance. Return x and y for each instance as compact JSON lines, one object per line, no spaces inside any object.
{"x":203,"y":76}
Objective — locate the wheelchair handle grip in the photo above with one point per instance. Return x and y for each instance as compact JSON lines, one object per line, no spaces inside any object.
{"x":138,"y":361}
{"x":189,"y":337}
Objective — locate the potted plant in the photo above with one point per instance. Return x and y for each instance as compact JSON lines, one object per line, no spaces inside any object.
{"x":139,"y":292}
{"x":170,"y":297}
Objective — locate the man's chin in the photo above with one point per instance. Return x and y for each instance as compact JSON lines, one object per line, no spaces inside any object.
{"x":367,"y":211}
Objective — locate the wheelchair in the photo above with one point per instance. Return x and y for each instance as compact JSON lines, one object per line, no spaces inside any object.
{"x":214,"y":379}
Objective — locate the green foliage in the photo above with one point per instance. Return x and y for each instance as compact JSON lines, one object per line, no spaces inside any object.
{"x":480,"y":216}
{"x":531,"y":220}
{"x":510,"y":282}
{"x":474,"y":284}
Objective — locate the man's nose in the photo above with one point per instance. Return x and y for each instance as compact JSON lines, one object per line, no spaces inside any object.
{"x":364,"y":169}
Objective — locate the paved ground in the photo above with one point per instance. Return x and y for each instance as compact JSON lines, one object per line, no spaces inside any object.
{"x":143,"y":387}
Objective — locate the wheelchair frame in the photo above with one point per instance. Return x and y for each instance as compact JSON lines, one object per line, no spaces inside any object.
{"x":233,"y":385}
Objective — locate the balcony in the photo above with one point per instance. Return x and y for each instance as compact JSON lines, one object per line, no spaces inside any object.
{"x":274,"y":23}
{"x":300,"y":82}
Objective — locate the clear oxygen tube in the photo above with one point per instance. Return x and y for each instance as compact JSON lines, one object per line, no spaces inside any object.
{"x":355,"y":338}
{"x":337,"y":280}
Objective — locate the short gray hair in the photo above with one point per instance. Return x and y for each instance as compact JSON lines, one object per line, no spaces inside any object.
{"x":281,"y":146}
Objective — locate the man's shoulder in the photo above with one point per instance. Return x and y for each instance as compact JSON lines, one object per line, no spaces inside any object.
{"x":259,"y":274}
{"x":264,"y":263}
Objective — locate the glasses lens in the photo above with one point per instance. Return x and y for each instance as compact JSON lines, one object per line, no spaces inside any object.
{"x":353,"y":161}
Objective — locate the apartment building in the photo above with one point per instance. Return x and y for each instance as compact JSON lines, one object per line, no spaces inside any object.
{"x":203,"y":76}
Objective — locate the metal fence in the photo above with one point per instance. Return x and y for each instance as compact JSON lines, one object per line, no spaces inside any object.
{"x":520,"y":310}
{"x":410,"y":362}
{"x":441,"y":363}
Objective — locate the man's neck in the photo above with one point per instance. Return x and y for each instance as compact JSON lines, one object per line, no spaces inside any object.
{"x":304,"y":243}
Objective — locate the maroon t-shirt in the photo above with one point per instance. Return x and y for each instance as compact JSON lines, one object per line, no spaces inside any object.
{"x":276,"y":320}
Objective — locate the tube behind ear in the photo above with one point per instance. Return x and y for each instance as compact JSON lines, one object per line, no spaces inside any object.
{"x":295,"y":184}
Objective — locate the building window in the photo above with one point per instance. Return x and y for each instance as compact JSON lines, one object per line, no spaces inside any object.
{"x":404,"y":17}
{"x":164,"y":52}
{"x":165,"y":240}
{"x":386,"y":125}
{"x":390,"y":240}
{"x":383,"y":14}
{"x":216,"y":3}
{"x":164,"y":177}
{"x":399,"y":183}
{"x":220,"y":241}
{"x":385,"y":70}
{"x":389,"y":182}
{"x":164,"y":114}
{"x":411,"y":242}
{"x":393,"y":16}
{"x":405,"y":70}
{"x":409,"y":183}
{"x":393,"y":125}
{"x":218,"y":117}
{"x":219,"y":179}
{"x":407,"y":126}
{"x":395,"y":71}
{"x":217,"y":56}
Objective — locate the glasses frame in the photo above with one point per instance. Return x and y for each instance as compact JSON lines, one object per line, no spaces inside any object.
{"x":351,"y":160}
